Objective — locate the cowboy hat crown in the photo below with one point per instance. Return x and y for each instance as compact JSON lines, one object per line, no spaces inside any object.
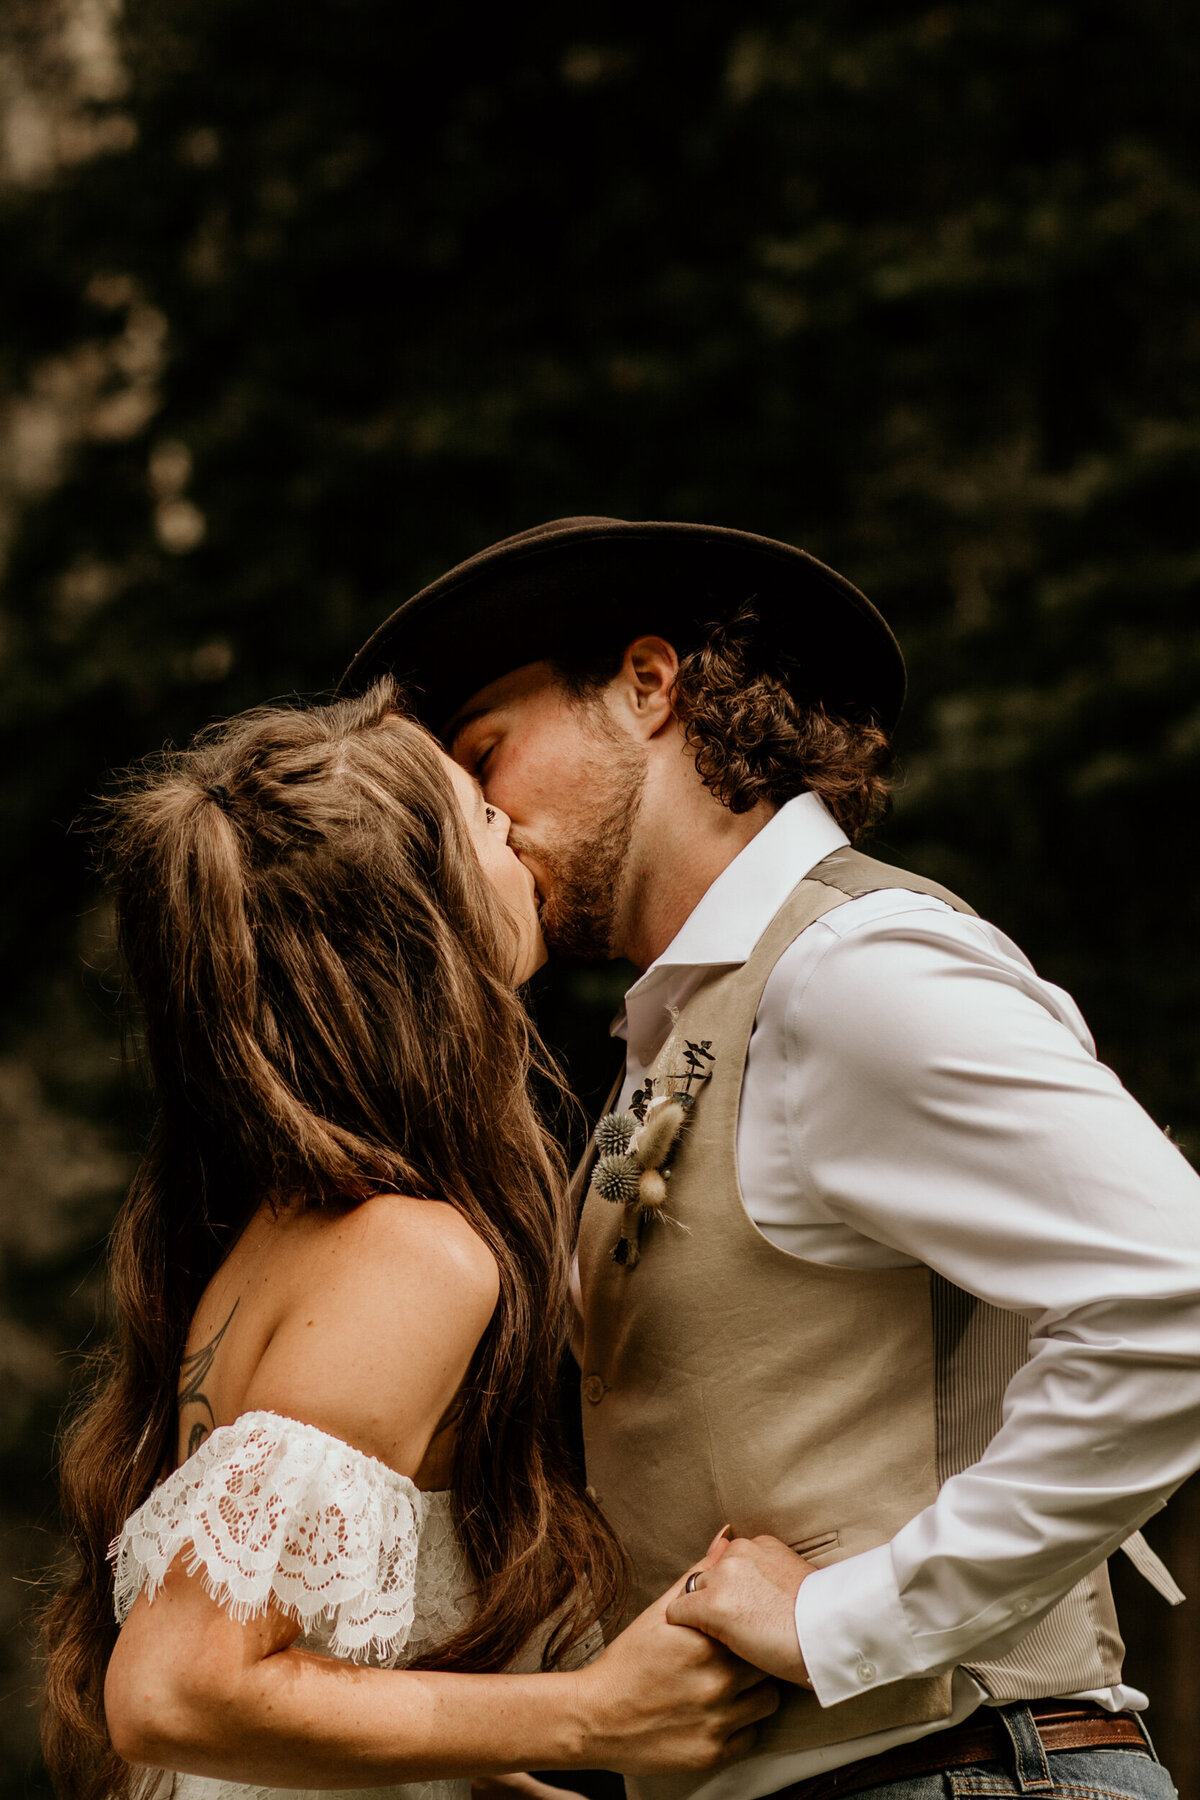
{"x":585,"y":585}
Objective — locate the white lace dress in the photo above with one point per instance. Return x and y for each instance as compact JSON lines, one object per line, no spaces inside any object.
{"x":271,"y":1510}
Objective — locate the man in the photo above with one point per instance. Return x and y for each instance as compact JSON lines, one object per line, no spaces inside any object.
{"x":908,"y":1294}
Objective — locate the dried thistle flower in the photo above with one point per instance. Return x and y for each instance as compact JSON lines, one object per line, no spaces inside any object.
{"x":616,"y":1178}
{"x":614,"y":1133}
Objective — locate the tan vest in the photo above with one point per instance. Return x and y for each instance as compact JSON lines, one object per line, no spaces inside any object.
{"x":727,"y":1380}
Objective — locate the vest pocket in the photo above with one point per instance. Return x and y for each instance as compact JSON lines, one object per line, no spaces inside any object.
{"x":812,"y":1547}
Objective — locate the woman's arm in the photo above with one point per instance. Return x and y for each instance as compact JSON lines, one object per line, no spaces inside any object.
{"x":191,"y":1689}
{"x":372,"y":1344}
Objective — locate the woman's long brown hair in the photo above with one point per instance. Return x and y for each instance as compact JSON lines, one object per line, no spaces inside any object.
{"x":323,"y":972}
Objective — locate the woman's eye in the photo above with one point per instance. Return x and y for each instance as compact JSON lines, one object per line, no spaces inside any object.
{"x":489,"y":813}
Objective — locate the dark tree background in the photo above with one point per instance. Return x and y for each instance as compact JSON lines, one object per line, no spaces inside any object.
{"x":302,"y":303}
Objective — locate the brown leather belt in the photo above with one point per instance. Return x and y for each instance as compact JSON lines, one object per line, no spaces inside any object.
{"x":1061,"y":1725}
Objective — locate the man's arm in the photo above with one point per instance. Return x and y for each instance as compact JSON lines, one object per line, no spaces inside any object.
{"x":937,"y":1106}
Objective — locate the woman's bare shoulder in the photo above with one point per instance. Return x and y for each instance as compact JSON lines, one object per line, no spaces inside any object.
{"x":385,"y":1307}
{"x":420,"y":1237}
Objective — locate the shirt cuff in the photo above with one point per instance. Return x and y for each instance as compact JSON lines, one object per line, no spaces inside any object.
{"x":852,"y":1629}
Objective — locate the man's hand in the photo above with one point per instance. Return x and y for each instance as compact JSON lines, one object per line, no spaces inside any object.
{"x":747,"y":1601}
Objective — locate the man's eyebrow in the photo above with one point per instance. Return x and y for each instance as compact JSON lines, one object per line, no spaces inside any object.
{"x":460,"y":721}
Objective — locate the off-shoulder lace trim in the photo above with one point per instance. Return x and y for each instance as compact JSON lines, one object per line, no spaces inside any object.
{"x":273,"y":1510}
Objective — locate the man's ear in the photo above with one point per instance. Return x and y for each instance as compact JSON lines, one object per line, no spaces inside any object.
{"x":645,"y":684}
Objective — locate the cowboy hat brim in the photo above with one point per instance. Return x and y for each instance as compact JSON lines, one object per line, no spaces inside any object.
{"x":590,"y":585}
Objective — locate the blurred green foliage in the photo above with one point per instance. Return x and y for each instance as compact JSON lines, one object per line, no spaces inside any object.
{"x":344,"y":292}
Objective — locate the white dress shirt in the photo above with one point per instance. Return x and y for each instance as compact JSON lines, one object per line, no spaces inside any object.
{"x":915,"y":1093}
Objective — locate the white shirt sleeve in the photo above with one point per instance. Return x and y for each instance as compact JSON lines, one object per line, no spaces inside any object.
{"x":941,"y":1101}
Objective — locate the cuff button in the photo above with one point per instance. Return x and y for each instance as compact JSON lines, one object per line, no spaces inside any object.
{"x":866,"y":1671}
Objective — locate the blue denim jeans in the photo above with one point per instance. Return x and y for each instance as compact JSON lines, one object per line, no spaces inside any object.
{"x":1060,"y":1775}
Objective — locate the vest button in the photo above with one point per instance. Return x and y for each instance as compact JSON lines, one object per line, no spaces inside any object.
{"x":593,"y":1389}
{"x":866,"y":1671}
{"x":1025,"y":1604}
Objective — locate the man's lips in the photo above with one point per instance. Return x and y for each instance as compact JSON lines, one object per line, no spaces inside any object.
{"x":537,"y":873}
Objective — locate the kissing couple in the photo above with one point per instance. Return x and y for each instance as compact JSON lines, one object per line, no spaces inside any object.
{"x":885,"y":1294}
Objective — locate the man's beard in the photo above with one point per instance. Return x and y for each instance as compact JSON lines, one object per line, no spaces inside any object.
{"x":578,"y":916}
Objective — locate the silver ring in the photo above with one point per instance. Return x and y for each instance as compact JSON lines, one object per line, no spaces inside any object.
{"x":689,"y":1586}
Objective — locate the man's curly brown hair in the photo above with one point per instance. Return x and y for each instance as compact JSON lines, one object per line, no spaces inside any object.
{"x":756,"y":737}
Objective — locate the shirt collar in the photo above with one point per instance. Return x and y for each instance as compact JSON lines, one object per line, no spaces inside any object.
{"x":732,"y":914}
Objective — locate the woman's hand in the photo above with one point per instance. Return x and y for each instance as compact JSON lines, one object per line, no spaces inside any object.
{"x":665,"y":1697}
{"x":746,"y":1600}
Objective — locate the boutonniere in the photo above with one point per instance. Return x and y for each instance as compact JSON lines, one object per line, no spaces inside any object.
{"x":635,"y":1149}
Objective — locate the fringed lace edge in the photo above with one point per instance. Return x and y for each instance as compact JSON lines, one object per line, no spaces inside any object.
{"x":149,"y":1543}
{"x":134,"y":1577}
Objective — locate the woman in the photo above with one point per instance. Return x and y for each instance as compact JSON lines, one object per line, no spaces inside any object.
{"x":341,"y":1286}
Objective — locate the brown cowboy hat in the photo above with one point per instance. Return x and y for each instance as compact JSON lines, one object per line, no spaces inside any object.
{"x":592,"y":585}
